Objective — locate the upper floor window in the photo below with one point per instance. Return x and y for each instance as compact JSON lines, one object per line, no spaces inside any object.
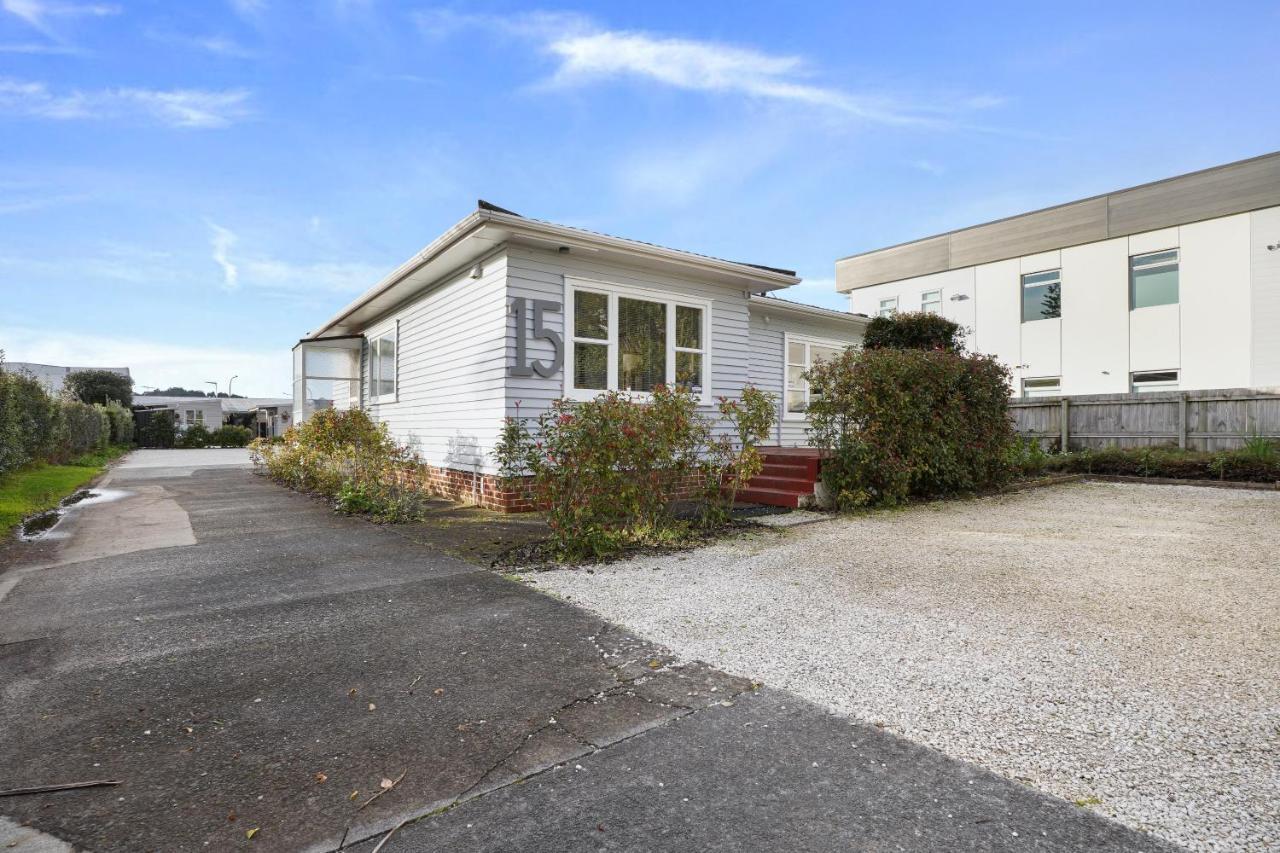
{"x":1153,"y":279}
{"x":1042,"y":295}
{"x":802,"y":354}
{"x":888,"y":307}
{"x":627,"y":340}
{"x":382,"y":366}
{"x":931,"y":301}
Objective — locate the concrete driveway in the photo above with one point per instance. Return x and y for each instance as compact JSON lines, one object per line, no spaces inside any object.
{"x":260,"y":673}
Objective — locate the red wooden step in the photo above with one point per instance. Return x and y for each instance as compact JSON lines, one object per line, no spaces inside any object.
{"x":799,"y":485}
{"x":769,"y":497}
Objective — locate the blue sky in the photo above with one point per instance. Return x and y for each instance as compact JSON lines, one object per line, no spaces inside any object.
{"x":186,"y":188}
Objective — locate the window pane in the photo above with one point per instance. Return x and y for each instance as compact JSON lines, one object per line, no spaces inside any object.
{"x":1041,"y":296}
{"x":689,"y":371}
{"x":591,"y":315}
{"x":795,"y":354}
{"x":1153,"y":280}
{"x":795,"y":378}
{"x":820,"y":353}
{"x":590,"y":366}
{"x":386,"y":366}
{"x":642,"y":344}
{"x":795,"y":401}
{"x":931,"y":301}
{"x":688,"y":327}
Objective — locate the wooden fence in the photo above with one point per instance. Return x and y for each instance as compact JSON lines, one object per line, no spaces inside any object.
{"x":1196,"y":420}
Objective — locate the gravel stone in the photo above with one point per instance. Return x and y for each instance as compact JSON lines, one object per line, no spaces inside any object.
{"x":1116,"y":645}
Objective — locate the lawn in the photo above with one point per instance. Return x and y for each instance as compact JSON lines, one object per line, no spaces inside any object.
{"x":31,"y":490}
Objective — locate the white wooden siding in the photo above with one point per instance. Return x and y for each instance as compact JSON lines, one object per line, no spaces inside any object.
{"x":450,"y":369}
{"x":767,"y":367}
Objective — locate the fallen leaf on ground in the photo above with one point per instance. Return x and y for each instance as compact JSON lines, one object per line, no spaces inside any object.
{"x":372,"y":707}
{"x":250,"y":833}
{"x":386,"y":783}
{"x":354,"y":794}
{"x":351,"y":692}
{"x":439,"y":691}
{"x":322,"y":778}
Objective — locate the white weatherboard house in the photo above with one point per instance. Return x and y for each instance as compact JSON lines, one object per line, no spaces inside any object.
{"x":503,"y":314}
{"x":1173,"y":285}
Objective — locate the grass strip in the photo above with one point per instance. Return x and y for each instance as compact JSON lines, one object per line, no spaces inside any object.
{"x":40,"y":487}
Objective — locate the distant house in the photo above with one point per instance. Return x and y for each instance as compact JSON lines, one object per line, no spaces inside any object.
{"x":266,"y":416}
{"x":503,"y":314}
{"x":52,"y":376}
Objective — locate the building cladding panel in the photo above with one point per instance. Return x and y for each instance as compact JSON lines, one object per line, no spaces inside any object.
{"x":1221,"y":191}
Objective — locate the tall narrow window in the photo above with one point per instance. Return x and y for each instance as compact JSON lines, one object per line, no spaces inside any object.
{"x":801,"y":355}
{"x":888,"y":307}
{"x":382,"y":366}
{"x":1153,"y":279}
{"x":931,"y":301}
{"x":1042,"y":296}
{"x":633,"y":341}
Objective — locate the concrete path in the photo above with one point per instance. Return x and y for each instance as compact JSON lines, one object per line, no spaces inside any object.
{"x":272,"y":677}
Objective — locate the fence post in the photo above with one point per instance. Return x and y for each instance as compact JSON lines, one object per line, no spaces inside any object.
{"x":1182,"y":421}
{"x":1066,"y":428}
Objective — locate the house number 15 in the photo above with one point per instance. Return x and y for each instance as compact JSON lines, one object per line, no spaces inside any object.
{"x":523,"y":367}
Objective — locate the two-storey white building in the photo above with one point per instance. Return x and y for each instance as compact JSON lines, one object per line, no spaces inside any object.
{"x":1168,"y":285}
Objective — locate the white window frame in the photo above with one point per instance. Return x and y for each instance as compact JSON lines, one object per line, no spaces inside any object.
{"x":391,"y":330}
{"x":1042,"y":389}
{"x":888,"y":307}
{"x":614,"y":292}
{"x":925,"y":301}
{"x":1176,"y":263}
{"x":1139,"y":387}
{"x":809,"y":342}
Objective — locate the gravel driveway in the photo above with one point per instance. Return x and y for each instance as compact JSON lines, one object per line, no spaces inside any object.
{"x":1115,"y":645}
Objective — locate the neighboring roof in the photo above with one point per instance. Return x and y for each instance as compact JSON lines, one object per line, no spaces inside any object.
{"x":226,"y":404}
{"x":789,"y":306}
{"x":476,"y":235}
{"x":1219,"y":191}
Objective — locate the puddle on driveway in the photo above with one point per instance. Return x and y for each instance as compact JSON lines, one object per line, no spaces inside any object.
{"x":43,"y":525}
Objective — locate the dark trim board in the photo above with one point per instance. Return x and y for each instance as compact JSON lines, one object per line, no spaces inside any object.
{"x":1220,"y":191}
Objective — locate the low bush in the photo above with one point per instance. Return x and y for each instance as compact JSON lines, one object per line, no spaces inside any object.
{"x":609,"y":470}
{"x":1255,"y":462}
{"x":349,"y":459}
{"x":121,"y":421}
{"x":901,"y":424}
{"x":156,"y":429}
{"x":230,"y":435}
{"x":193,"y":437}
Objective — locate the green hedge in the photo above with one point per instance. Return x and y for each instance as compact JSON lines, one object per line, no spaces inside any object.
{"x":901,"y":424}
{"x":36,"y":427}
{"x":1257,"y":462}
{"x":914,"y":330}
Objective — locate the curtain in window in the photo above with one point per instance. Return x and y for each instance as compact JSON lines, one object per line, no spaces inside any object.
{"x":642,"y":344}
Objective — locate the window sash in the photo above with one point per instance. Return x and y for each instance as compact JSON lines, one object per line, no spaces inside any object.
{"x":931,"y":300}
{"x":888,"y":307}
{"x":384,"y":362}
{"x":1037,"y":288}
{"x":672,"y":304}
{"x":1154,"y":279}
{"x":798,"y":392}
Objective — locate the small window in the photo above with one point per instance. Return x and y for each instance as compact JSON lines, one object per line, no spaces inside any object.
{"x":191,"y":416}
{"x":1043,"y":386}
{"x":199,"y":416}
{"x":1153,"y":279}
{"x":888,"y":307}
{"x":1154,"y":380}
{"x":802,"y":355}
{"x":382,"y":366}
{"x":931,"y":301}
{"x":1042,"y":296}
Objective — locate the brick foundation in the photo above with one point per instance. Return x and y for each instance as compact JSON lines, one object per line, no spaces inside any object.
{"x":486,"y":490}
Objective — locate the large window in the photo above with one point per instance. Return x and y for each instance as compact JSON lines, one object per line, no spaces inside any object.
{"x":931,"y":302}
{"x":888,"y":307}
{"x":802,"y":354}
{"x":1153,"y":279}
{"x":631,"y":340}
{"x":382,"y":366}
{"x":1043,"y":386}
{"x":1042,"y":295}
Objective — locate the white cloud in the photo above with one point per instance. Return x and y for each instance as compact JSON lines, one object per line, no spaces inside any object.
{"x":41,"y":15}
{"x":263,"y":272}
{"x":195,"y":108}
{"x":223,"y":239}
{"x":249,"y":8}
{"x":217,"y":45}
{"x":262,"y":372}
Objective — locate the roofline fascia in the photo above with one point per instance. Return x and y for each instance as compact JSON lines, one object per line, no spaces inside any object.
{"x":479,"y":218}
{"x":808,"y":310}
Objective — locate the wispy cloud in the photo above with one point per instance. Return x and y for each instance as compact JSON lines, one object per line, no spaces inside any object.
{"x":264,"y":272}
{"x":194,"y":108}
{"x":45,"y":17}
{"x":218,"y":45}
{"x":587,"y":53}
{"x":222,"y":241}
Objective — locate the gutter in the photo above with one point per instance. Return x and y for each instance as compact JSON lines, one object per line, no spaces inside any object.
{"x":771,"y":304}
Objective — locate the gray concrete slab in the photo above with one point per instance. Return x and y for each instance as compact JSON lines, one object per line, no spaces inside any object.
{"x":273,"y":674}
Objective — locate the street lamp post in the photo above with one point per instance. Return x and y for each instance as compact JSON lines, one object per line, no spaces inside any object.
{"x":215,"y":386}
{"x":229,"y":381}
